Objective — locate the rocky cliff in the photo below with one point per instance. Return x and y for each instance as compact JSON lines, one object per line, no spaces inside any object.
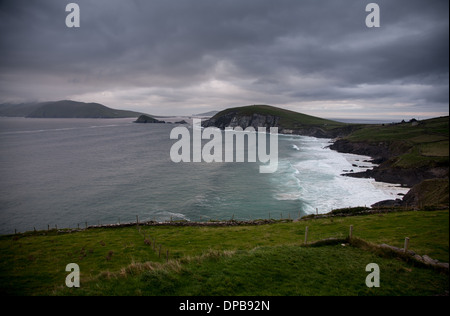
{"x":260,"y":118}
{"x":233,"y":119}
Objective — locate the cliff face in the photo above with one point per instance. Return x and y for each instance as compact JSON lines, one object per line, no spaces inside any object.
{"x":255,"y":120}
{"x":232,"y":119}
{"x":379,"y":152}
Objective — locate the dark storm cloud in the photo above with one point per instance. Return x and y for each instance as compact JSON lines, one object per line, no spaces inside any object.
{"x":167,"y":52}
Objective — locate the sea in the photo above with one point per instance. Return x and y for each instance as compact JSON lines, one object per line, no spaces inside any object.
{"x":68,"y":173}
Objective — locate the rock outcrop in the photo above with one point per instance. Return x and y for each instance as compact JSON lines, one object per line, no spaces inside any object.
{"x":147,"y":119}
{"x":233,"y":119}
{"x":236,"y":119}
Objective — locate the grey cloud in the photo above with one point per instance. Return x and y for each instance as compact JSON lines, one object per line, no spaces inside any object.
{"x":287,"y":50}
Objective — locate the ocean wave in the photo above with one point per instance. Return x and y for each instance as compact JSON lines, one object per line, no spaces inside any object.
{"x":168,"y":215}
{"x":319,"y":182}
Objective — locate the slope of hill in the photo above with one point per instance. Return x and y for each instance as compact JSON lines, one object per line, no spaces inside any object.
{"x":288,"y":122}
{"x":408,"y":152}
{"x":63,"y":109}
{"x":17,"y":110}
{"x":210,"y":113}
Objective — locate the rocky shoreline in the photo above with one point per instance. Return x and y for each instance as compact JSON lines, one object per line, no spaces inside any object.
{"x":414,"y":178}
{"x":381,"y":153}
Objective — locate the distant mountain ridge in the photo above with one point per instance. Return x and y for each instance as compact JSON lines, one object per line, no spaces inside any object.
{"x":64,"y":109}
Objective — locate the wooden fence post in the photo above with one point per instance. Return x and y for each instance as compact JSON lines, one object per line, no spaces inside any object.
{"x":406,"y":244}
{"x":350,"y":235}
{"x":306,"y":235}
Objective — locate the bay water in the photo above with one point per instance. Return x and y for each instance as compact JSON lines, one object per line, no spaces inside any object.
{"x":67,"y":172}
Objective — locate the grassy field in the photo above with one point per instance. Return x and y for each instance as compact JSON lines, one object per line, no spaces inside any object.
{"x":418,"y":144}
{"x":238,"y":260}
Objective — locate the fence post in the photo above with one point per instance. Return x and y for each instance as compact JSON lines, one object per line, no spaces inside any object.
{"x":350,"y":235}
{"x":306,"y":235}
{"x":406,"y":244}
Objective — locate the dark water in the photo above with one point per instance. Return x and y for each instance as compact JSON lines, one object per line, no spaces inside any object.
{"x":67,"y":172}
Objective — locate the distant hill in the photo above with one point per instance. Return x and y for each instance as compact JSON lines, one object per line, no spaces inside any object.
{"x":63,"y":109}
{"x":17,"y":110}
{"x":210,"y":113}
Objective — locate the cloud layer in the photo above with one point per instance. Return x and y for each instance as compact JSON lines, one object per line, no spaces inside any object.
{"x":188,"y":56}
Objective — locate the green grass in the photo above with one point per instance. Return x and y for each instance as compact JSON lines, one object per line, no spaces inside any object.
{"x":266,"y":271}
{"x":427,"y":131}
{"x":435,"y":149}
{"x":421,"y":145}
{"x":202,"y":259}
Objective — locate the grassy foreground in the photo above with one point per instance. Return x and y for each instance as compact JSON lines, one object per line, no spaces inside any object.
{"x":238,"y":260}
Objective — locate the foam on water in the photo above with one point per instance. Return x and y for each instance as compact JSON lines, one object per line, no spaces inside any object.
{"x":315,"y":176}
{"x":72,"y":171}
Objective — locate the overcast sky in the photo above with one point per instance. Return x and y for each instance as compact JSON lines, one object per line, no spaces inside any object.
{"x":167,"y":57}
